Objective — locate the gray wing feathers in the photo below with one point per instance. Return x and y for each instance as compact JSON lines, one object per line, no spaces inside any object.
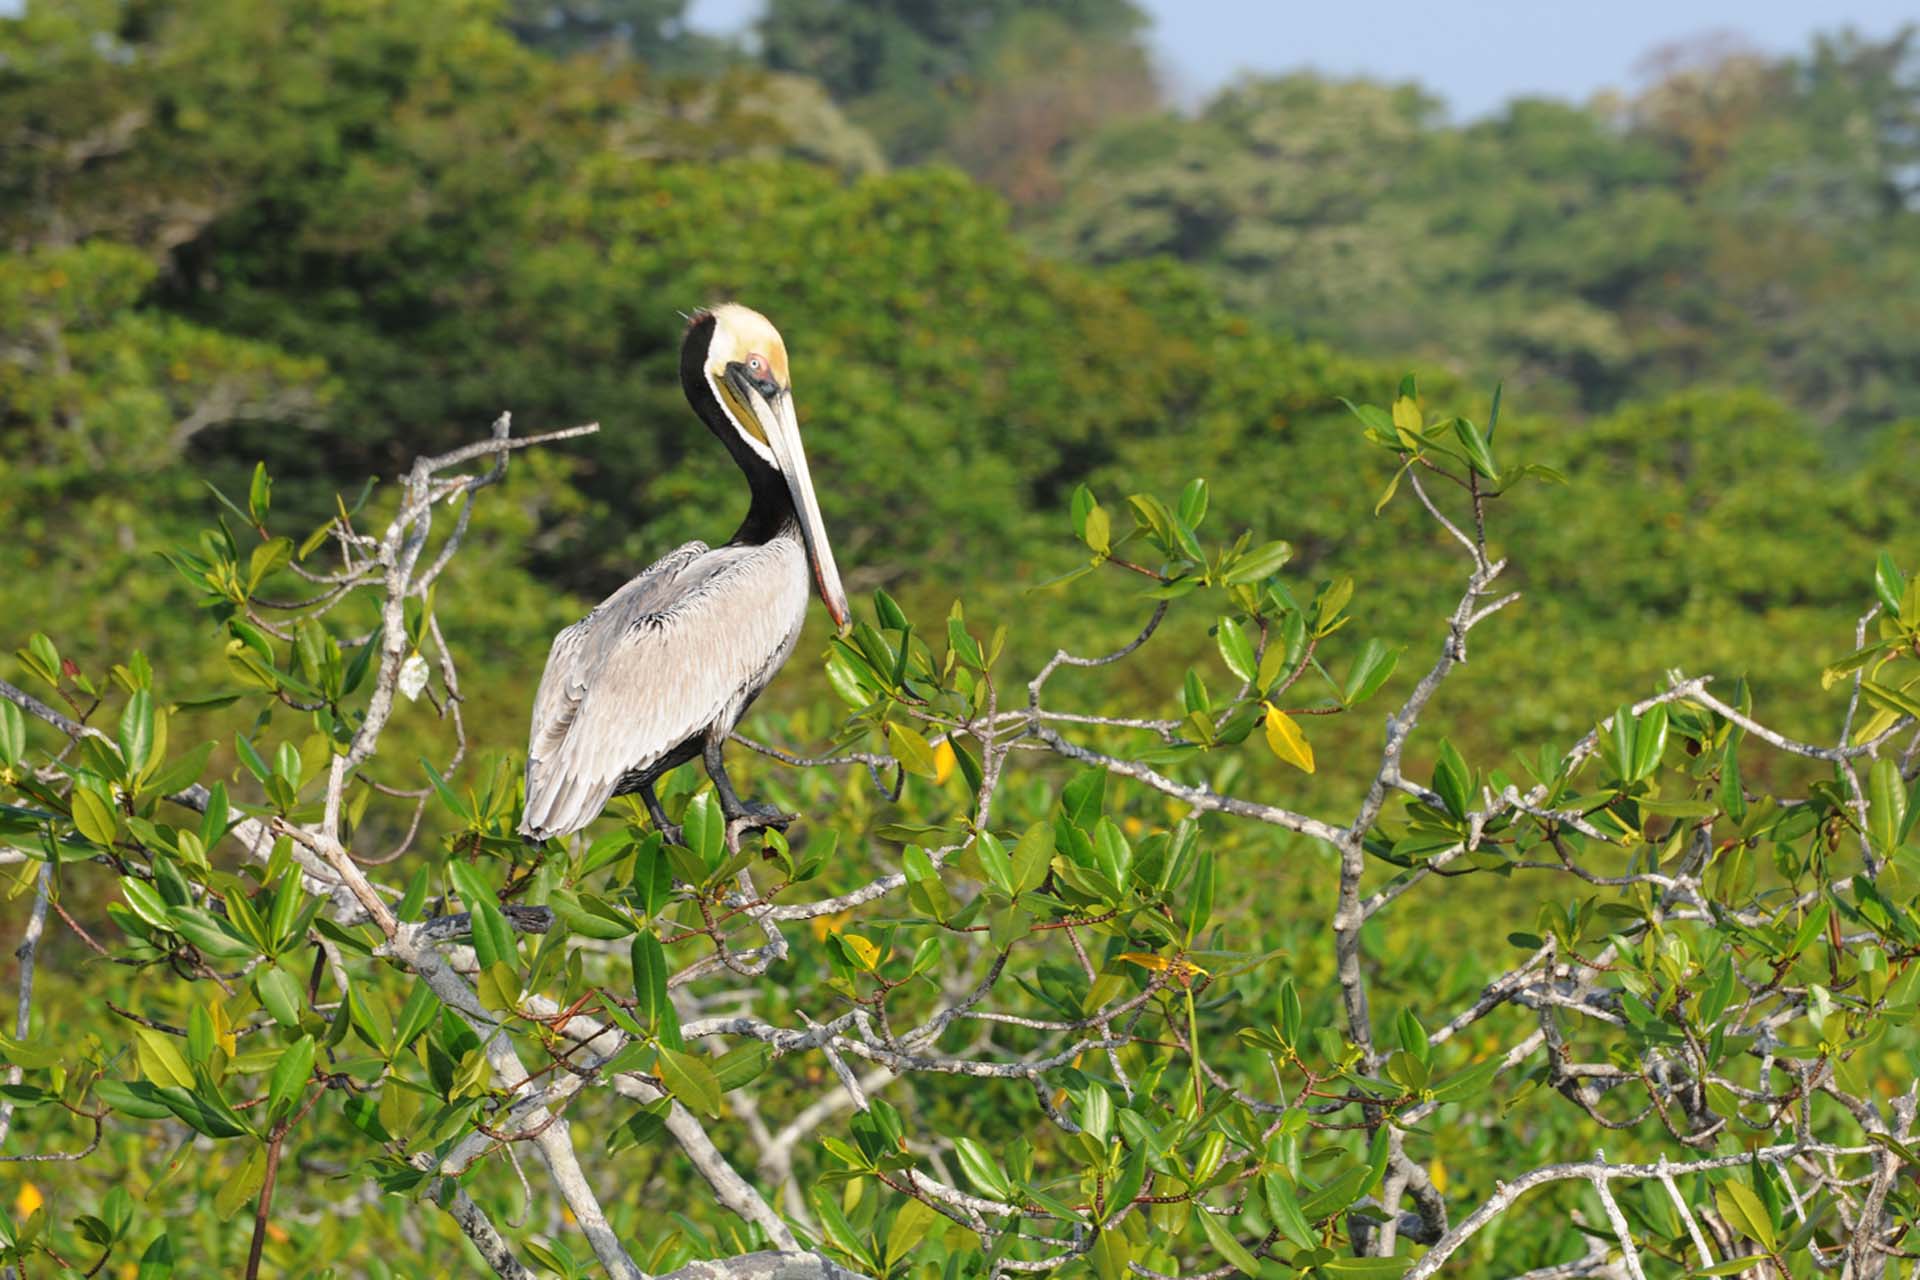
{"x":680,"y":648}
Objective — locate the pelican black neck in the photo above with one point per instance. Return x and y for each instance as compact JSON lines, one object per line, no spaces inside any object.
{"x":771,"y":512}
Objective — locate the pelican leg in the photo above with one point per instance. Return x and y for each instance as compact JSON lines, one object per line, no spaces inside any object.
{"x":670,"y":830}
{"x":743,"y":814}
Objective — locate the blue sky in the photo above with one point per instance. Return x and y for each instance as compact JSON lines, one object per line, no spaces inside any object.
{"x":1475,"y":53}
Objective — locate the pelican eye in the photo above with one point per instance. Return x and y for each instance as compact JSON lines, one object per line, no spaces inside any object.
{"x":758,"y":374}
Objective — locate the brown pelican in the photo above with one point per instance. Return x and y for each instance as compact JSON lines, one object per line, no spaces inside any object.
{"x":664,"y":667}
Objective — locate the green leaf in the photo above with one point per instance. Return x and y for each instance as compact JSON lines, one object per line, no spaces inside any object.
{"x":1476,"y":449}
{"x":912,"y":751}
{"x":493,"y":938}
{"x":1031,"y":855}
{"x":1225,"y":1243}
{"x":1365,"y":1268}
{"x":996,"y":864}
{"x":1890,"y":585}
{"x":13,"y":734}
{"x":924,"y":887}
{"x":1371,"y":669}
{"x":1741,"y":1206}
{"x":1810,"y":928}
{"x":1112,"y":1255}
{"x":705,"y":829}
{"x":237,"y":1189}
{"x":1337,"y":1193}
{"x":91,"y":815}
{"x":1886,"y":805}
{"x":1897,"y":701}
{"x":146,"y":902}
{"x":1260,"y":563}
{"x":288,"y":1083}
{"x":136,"y":732}
{"x":1133,"y":1175}
{"x":215,"y":937}
{"x":1200,"y":898}
{"x":1236,"y":649}
{"x":1083,"y":798}
{"x":268,"y":557}
{"x":448,"y":797}
{"x":1330,"y":604}
{"x":743,"y":1065}
{"x":1096,"y":1114}
{"x":1284,"y":1209}
{"x":42,"y":658}
{"x":1467,"y":1084}
{"x":279,"y":994}
{"x":1192,"y":506}
{"x":179,"y":774}
{"x":840,"y":1232}
{"x":690,"y":1080}
{"x":982,"y":1170}
{"x":158,"y":1261}
{"x":656,"y":1010}
{"x":415,"y":1016}
{"x":250,"y":757}
{"x":1620,"y":737}
{"x":1452,"y":780}
{"x":908,"y":1228}
{"x":259,"y":494}
{"x":1649,"y":743}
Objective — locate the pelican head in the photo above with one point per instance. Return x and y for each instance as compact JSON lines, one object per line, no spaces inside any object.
{"x":742,"y":362}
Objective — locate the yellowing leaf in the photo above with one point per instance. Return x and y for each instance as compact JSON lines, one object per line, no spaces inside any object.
{"x":93,"y":816}
{"x":824,"y":925}
{"x":1406,"y":416}
{"x":1284,"y":736}
{"x":223,"y":1033}
{"x":863,"y":950}
{"x":1099,"y":531}
{"x":912,"y":751}
{"x":27,"y":1201}
{"x":1183,"y":969}
{"x":161,"y":1061}
{"x":943,"y":760}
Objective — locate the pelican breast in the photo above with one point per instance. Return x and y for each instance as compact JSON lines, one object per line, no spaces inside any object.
{"x":677,"y":652}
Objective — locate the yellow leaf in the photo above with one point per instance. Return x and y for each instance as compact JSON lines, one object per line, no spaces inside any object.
{"x":161,"y":1061}
{"x":863,"y":950}
{"x":943,"y":761}
{"x":223,"y":1033}
{"x":824,"y":925}
{"x":1183,"y":969}
{"x":1284,"y":736}
{"x":1406,"y":415}
{"x":27,"y":1201}
{"x":1438,"y":1173}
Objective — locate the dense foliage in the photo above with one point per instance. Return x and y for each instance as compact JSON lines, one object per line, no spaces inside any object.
{"x":338,"y":235}
{"x":1740,"y":220}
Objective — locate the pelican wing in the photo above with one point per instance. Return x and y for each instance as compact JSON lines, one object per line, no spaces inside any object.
{"x":677,"y":649}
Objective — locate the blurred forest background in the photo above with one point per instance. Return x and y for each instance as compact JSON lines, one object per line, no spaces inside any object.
{"x":334,"y":233}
